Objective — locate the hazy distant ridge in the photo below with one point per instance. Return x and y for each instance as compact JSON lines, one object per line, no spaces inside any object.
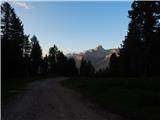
{"x":98,"y":56}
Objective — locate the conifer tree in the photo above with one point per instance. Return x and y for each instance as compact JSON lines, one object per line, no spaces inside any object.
{"x":136,"y":55}
{"x":36,"y":56}
{"x":61,"y":63}
{"x":52,"y":58}
{"x":12,"y":37}
{"x":114,"y":65}
{"x":45,"y":69}
{"x":86,"y":68}
{"x":71,"y":67}
{"x":130,"y":54}
{"x":151,"y":18}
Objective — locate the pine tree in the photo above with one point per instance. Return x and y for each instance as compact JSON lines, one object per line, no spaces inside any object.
{"x":90,"y":68}
{"x":6,"y":12}
{"x":12,"y":37}
{"x":26,"y":47}
{"x":151,"y":16}
{"x":114,"y":65}
{"x":82,"y":68}
{"x":136,"y":54}
{"x":52,"y":58}
{"x":155,"y":64}
{"x":45,"y":69}
{"x":36,"y":56}
{"x":130,"y":54}
{"x":26,"y":56}
{"x":86,"y":68}
{"x":71,"y":67}
{"x":61,"y":63}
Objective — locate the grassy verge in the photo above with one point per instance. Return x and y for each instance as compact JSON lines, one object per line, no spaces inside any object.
{"x":12,"y":87}
{"x":137,"y":98}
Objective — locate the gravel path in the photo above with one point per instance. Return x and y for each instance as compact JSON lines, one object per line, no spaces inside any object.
{"x":48,"y":100}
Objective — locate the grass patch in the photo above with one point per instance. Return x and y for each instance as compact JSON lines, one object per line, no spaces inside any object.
{"x":137,"y":98}
{"x":12,"y":87}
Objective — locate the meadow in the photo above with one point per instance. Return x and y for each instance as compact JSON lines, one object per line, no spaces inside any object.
{"x":135,"y":98}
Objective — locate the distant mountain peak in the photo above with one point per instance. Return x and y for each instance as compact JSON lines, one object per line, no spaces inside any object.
{"x":98,"y":56}
{"x":99,"y":47}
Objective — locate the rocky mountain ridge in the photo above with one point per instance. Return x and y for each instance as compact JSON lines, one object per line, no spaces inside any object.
{"x":98,"y":56}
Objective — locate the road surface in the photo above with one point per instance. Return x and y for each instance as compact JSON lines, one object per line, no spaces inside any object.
{"x":48,"y":100}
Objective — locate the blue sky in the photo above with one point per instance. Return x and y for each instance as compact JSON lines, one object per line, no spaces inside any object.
{"x":75,"y":26}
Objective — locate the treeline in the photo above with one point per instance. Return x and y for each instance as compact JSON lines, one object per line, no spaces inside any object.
{"x":86,"y":68}
{"x":58,"y":63}
{"x":139,"y":54}
{"x":22,"y":57}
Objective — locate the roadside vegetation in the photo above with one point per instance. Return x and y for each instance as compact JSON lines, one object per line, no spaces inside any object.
{"x":12,"y":87}
{"x":136,"y":98}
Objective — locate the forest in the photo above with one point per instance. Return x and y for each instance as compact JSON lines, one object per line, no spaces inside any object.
{"x":138,"y":56}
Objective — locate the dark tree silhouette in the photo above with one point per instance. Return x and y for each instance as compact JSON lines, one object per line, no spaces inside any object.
{"x":44,"y":65}
{"x":90,"y":68}
{"x":155,"y":64}
{"x":13,"y":38}
{"x":83,"y":71}
{"x":71,"y":67}
{"x":114,"y":65}
{"x":86,"y":68}
{"x":6,"y":12}
{"x":151,"y":18}
{"x":36,"y":56}
{"x":26,"y":56}
{"x":136,"y":56}
{"x":52,"y":58}
{"x":61,"y":63}
{"x":130,"y":54}
{"x":26,"y":47}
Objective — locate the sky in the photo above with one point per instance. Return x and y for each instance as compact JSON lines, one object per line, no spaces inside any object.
{"x":75,"y":26}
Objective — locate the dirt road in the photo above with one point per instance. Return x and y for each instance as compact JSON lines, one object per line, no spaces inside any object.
{"x":48,"y":100}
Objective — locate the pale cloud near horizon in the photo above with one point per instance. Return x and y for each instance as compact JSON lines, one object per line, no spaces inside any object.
{"x":24,"y":5}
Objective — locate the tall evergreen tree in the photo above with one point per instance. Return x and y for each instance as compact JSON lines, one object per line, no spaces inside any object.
{"x":155,"y":64}
{"x":36,"y":56}
{"x":90,"y":68}
{"x":71,"y":67}
{"x":12,"y":37}
{"x":83,"y":71}
{"x":6,"y":12}
{"x":26,"y":47}
{"x":151,"y":16}
{"x":61,"y":63}
{"x":86,"y":68}
{"x":136,"y":53}
{"x":52,"y":58}
{"x":114,"y":65}
{"x":26,"y":56}
{"x":130,"y":54}
{"x":45,"y":69}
